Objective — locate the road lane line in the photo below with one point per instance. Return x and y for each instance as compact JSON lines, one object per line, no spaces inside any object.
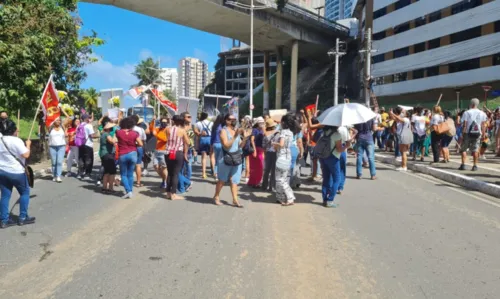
{"x":37,"y":280}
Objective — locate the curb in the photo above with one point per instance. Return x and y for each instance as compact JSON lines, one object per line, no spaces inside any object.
{"x":457,"y":179}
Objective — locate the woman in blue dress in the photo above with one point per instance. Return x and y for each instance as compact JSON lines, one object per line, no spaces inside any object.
{"x":232,"y":141}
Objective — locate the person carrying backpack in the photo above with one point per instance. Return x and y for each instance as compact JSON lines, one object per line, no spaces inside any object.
{"x":328,"y":149}
{"x":474,"y":131}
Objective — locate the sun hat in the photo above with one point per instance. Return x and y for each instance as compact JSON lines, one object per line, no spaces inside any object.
{"x":270,"y":123}
{"x":258,"y":120}
{"x":109,"y":125}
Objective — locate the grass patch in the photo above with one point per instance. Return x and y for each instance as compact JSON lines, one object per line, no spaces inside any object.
{"x":24,"y":127}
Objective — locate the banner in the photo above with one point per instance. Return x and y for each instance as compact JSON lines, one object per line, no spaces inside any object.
{"x":50,"y":104}
{"x":311,"y":108}
{"x":169,"y":105}
{"x":189,"y":105}
{"x":213,"y":104}
{"x":137,"y":91}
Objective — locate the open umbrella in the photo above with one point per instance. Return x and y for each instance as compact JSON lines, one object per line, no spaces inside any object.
{"x":345,"y":115}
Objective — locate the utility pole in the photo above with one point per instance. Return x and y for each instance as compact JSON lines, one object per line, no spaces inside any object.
{"x":337,"y":54}
{"x":368,"y":65}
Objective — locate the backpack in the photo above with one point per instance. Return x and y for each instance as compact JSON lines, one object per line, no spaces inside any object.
{"x":317,"y":135}
{"x":80,"y":136}
{"x":474,"y":130}
{"x":247,"y":148}
{"x":323,"y":148}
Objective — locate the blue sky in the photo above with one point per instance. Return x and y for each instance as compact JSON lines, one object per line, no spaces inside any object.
{"x":131,"y":37}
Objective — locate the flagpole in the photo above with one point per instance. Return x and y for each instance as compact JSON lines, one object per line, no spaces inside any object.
{"x":39,"y":105}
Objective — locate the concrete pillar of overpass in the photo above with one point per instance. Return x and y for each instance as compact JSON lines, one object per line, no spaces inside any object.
{"x":266,"y":83}
{"x":279,"y":76}
{"x":294,"y":75}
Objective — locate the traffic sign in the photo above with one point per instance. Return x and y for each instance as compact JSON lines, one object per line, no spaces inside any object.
{"x":486,"y":88}
{"x":252,"y":107}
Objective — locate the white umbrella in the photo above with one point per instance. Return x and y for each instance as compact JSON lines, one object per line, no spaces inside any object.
{"x":407,"y":108}
{"x":345,"y":115}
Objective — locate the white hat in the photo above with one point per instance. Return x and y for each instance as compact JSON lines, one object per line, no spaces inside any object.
{"x":258,"y":120}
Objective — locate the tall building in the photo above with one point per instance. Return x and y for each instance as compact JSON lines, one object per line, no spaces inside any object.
{"x":237,"y":70}
{"x":193,"y":77}
{"x":338,"y":9}
{"x":169,"y":80}
{"x":427,"y":48}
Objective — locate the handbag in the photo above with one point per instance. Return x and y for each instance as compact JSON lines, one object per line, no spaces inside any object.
{"x":232,"y":158}
{"x":442,"y":128}
{"x":27,"y":169}
{"x":171,"y":153}
{"x":406,"y":135}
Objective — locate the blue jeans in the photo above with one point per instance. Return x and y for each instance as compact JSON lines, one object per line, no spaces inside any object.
{"x":218,"y":156}
{"x":368,"y":148}
{"x":184,"y":180}
{"x":294,"y":152}
{"x":396,"y":147}
{"x":127,"y":169}
{"x":378,"y":137}
{"x":7,"y":182}
{"x":57,"y":158}
{"x":331,"y":177}
{"x":343,"y":168}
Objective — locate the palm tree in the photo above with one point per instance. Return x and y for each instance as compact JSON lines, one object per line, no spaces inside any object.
{"x":90,"y":96}
{"x":147,"y":72}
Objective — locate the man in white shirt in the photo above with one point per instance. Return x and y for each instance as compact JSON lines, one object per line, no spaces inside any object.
{"x":203,"y":129}
{"x":418,"y":122}
{"x":474,"y":131}
{"x":86,"y":151}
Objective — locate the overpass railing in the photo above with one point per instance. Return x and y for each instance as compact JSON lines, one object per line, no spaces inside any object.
{"x":299,"y":11}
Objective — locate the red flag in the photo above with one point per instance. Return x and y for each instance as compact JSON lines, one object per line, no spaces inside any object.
{"x":311,"y":108}
{"x":164,"y":101}
{"x":50,"y":104}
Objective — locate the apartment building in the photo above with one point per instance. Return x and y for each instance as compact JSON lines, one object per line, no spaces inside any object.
{"x":338,"y":9}
{"x":237,"y":70}
{"x":426,"y":48}
{"x":193,"y":77}
{"x":169,"y":80}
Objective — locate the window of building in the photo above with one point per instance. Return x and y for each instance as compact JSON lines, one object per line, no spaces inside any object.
{"x":402,"y":28}
{"x":465,"y":35}
{"x":497,"y":26}
{"x":465,"y":5}
{"x":402,"y":3}
{"x":378,"y":58}
{"x":432,"y":71}
{"x":399,"y":77}
{"x":433,"y":17}
{"x":434,"y":43}
{"x":380,"y":13}
{"x":379,"y":36}
{"x":379,"y":81}
{"x":258,"y":59}
{"x":464,"y":65}
{"x":419,"y":47}
{"x":417,"y":74}
{"x":401,"y":52}
{"x":496,"y":59}
{"x":420,"y":22}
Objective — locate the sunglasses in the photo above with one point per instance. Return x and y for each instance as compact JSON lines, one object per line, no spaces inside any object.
{"x":188,"y":116}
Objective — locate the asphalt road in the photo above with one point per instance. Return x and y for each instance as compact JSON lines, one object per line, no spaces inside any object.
{"x":402,"y":236}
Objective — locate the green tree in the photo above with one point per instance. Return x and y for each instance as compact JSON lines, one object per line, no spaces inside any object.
{"x":147,"y":72}
{"x":39,"y":38}
{"x":90,"y":96}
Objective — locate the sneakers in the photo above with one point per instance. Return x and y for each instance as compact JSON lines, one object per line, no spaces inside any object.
{"x":163,"y":185}
{"x":189,"y":187}
{"x":331,"y":204}
{"x":68,"y":174}
{"x":27,"y":220}
{"x":79,"y":177}
{"x":128,"y":195}
{"x":462,"y":167}
{"x":86,"y":178}
{"x":58,"y":179}
{"x":398,"y":159}
{"x":53,"y":179}
{"x":99,"y":183}
{"x":474,"y":168}
{"x":145,"y":172}
{"x":7,"y":224}
{"x":402,"y":169}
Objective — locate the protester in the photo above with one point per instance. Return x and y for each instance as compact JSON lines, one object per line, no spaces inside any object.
{"x":128,"y":143}
{"x":404,"y":136}
{"x":57,"y":149}
{"x":5,"y":122}
{"x":418,"y":124}
{"x":271,"y":136}
{"x":107,"y":155}
{"x":315,"y":130}
{"x":140,"y":149}
{"x":216,"y":152}
{"x":13,"y":155}
{"x":72,"y":157}
{"x":230,"y":173}
{"x":184,"y":183}
{"x":84,"y":140}
{"x":365,"y":145}
{"x":485,"y":142}
{"x":437,"y":118}
{"x":203,"y":129}
{"x":257,"y":156}
{"x":159,"y":161}
{"x":177,"y":151}
{"x":297,"y":151}
{"x":474,"y":131}
{"x":497,"y":131}
{"x":447,"y":136}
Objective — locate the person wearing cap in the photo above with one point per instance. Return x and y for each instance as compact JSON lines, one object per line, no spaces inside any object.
{"x":107,"y":155}
{"x":271,"y":135}
{"x":257,"y":156}
{"x":86,"y":151}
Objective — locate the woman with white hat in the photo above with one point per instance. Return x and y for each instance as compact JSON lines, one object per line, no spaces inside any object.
{"x":107,"y":151}
{"x":257,"y":155}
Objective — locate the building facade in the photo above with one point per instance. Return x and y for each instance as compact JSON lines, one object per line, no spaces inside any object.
{"x":237,"y":70}
{"x":427,"y":48}
{"x":193,"y":77}
{"x":338,"y":9}
{"x":169,"y":80}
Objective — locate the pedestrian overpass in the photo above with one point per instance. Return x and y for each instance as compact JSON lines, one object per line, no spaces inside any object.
{"x":296,"y":31}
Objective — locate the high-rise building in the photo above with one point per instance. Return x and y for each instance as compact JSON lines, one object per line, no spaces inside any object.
{"x":169,"y":80}
{"x":427,"y":49}
{"x":338,"y":9}
{"x":193,"y":77}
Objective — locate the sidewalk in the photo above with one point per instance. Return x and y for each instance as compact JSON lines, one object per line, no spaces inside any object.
{"x":486,"y":179}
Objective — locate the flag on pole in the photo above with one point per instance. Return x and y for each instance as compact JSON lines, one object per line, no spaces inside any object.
{"x":137,"y":91}
{"x":50,"y":104}
{"x":171,"y":107}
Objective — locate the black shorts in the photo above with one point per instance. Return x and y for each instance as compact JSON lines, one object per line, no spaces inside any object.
{"x":108,"y":162}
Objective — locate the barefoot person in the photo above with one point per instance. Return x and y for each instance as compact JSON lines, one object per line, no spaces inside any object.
{"x":232,"y":142}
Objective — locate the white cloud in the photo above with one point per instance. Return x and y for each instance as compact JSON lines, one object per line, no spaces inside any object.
{"x":103,"y":74}
{"x":200,"y":54}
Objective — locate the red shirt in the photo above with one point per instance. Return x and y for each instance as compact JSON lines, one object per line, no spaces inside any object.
{"x":126,"y":141}
{"x":71,"y":136}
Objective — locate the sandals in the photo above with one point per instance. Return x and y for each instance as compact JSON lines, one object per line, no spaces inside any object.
{"x":138,"y":185}
{"x":236,"y":204}
{"x":287,"y":204}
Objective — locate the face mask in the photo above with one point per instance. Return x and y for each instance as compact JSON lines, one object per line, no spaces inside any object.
{"x":163,"y":125}
{"x":233,"y":123}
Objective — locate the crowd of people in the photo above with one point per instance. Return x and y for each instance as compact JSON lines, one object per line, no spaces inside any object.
{"x":265,"y":153}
